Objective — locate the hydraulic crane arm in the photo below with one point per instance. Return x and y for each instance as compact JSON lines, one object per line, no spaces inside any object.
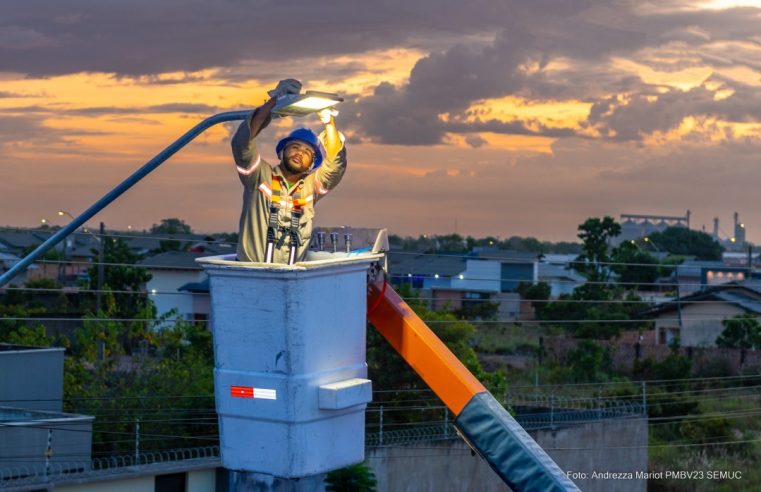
{"x":481,"y":419}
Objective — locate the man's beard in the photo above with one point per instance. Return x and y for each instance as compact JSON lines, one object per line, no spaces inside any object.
{"x":291,"y":168}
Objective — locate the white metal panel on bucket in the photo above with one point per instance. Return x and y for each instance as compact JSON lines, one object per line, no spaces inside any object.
{"x":280,"y":333}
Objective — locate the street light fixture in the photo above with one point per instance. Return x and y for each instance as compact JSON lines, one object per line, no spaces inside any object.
{"x":655,"y":246}
{"x":304,"y":104}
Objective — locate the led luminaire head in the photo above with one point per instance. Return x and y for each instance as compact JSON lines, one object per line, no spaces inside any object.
{"x":304,"y":104}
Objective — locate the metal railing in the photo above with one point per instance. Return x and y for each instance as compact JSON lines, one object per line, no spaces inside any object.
{"x":98,"y":467}
{"x":533,"y":412}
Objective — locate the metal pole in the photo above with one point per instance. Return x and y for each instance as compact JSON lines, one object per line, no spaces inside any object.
{"x":137,"y":441}
{"x":679,"y":301}
{"x":380,"y":433}
{"x":644,"y":397}
{"x":446,"y":422}
{"x":552,"y":411}
{"x":48,"y":453}
{"x":62,"y":271}
{"x":101,"y":260}
{"x":120,"y":189}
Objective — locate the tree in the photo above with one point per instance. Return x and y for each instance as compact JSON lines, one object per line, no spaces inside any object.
{"x":169,"y":227}
{"x":538,"y":293}
{"x":123,"y":279}
{"x":635,"y":268}
{"x":596,"y":234}
{"x":742,"y":331}
{"x":451,"y":243}
{"x":684,"y":241}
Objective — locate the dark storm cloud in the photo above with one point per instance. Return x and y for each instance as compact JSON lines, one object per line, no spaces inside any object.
{"x":263,"y":40}
{"x":643,"y":115}
{"x":588,"y":34}
{"x":143,"y":37}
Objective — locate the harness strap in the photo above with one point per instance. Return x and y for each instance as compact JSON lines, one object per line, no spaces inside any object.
{"x":280,"y":199}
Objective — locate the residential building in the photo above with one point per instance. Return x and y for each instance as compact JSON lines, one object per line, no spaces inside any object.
{"x":170,"y":272}
{"x":694,"y":275}
{"x":696,"y":320}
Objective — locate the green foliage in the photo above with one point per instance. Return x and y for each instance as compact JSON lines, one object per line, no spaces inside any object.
{"x":119,"y":275}
{"x":742,"y":331}
{"x":585,"y":318}
{"x":589,"y":362}
{"x":595,"y":235}
{"x":354,"y":478}
{"x":667,"y":400}
{"x":13,"y":311}
{"x":477,"y":310}
{"x":34,"y":337}
{"x":178,"y":367}
{"x":170,"y":226}
{"x":684,"y":241}
{"x":538,"y":293}
{"x":635,"y":268}
{"x":708,"y":431}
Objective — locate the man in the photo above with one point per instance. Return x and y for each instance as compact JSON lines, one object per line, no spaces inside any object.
{"x":278,"y":202}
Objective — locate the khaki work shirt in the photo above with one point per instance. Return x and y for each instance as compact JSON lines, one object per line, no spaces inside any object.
{"x":256,"y":174}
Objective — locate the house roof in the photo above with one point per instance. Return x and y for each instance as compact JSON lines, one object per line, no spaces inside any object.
{"x":404,"y":262}
{"x":22,"y":238}
{"x":745,"y":295}
{"x":201,"y":287}
{"x":507,"y":256}
{"x":173,"y":260}
{"x":750,"y":304}
{"x":546,"y":270}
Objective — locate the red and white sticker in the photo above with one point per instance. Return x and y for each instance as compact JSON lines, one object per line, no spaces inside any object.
{"x":251,"y":392}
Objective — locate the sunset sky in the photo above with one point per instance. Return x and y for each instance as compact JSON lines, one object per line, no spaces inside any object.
{"x":501,"y":117}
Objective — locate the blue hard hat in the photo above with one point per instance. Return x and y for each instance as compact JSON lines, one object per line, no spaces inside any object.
{"x":305,"y":135}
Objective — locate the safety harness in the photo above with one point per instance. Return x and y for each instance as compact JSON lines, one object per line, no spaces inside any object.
{"x":280,"y":198}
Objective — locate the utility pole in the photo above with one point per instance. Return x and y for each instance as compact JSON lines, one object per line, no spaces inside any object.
{"x":101,"y":247}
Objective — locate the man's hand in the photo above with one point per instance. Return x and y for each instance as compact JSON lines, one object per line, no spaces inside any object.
{"x":326,"y":115}
{"x":285,"y":86}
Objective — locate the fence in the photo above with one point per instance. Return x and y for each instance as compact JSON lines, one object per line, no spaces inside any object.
{"x":533,"y":412}
{"x":99,"y":467}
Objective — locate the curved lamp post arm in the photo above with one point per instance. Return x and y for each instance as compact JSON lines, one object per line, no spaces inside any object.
{"x":121,"y":188}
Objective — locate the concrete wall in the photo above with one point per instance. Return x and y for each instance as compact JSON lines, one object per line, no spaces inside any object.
{"x":31,"y":378}
{"x":132,"y":484}
{"x":202,"y":480}
{"x":613,"y":445}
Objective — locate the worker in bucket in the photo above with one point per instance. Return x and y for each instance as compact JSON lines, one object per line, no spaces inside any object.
{"x":278,"y":201}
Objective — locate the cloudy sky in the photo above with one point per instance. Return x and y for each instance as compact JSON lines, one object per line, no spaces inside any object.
{"x":503,"y":117}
